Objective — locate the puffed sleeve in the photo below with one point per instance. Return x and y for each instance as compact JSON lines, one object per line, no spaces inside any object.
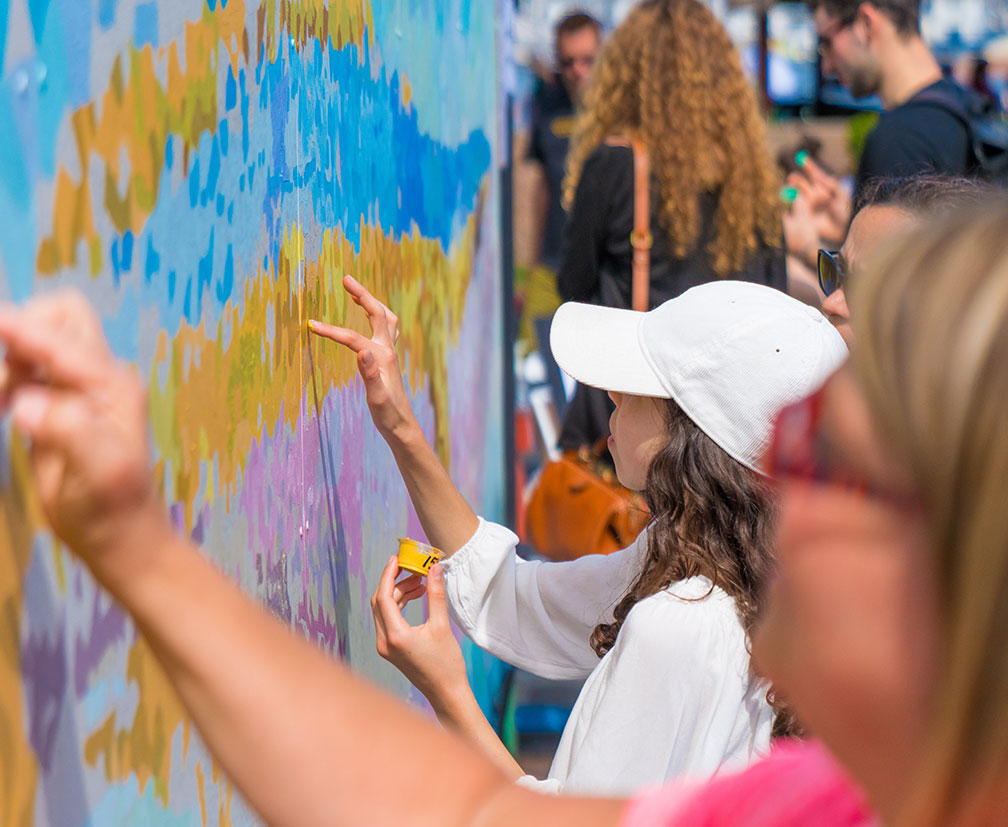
{"x":535,"y":615}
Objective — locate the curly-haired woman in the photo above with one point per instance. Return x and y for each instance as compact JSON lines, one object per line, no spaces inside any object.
{"x":670,"y":77}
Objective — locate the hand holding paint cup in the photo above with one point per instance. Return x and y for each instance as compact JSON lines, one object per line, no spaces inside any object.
{"x":417,"y":557}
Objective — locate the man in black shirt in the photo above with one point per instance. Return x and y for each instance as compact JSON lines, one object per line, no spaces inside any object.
{"x":876,"y":48}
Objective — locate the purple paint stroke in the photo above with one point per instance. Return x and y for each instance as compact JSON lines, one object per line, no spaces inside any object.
{"x":273,"y":576}
{"x":271,"y":494}
{"x":336,"y":549}
{"x":106,"y":629}
{"x":291,"y":528}
{"x":473,"y":384}
{"x":322,"y":631}
{"x":44,"y":668}
{"x":353,"y":417}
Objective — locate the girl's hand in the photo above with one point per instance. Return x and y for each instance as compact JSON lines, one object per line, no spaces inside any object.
{"x":377,"y":360}
{"x":428,"y":654}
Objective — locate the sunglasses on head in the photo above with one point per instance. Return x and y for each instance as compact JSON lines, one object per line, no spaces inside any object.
{"x":797,"y":451}
{"x":832,"y":276}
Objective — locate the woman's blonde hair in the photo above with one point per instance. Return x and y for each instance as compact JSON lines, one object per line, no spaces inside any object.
{"x":931,"y":350}
{"x":671,"y":75}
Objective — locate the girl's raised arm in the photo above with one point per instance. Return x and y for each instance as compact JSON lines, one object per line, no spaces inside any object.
{"x":444,"y":514}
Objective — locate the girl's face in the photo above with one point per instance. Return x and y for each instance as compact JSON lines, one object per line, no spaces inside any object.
{"x":850,"y":634}
{"x":637,"y":429}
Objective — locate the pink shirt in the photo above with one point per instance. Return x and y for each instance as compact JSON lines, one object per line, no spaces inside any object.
{"x":797,"y":784}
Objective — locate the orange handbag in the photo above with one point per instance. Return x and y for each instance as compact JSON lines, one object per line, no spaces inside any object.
{"x":579,"y":507}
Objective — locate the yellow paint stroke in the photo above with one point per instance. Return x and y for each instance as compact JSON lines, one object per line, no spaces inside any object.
{"x":144,"y":749}
{"x":340,"y":22}
{"x":137,"y":114}
{"x":224,"y":813}
{"x":20,"y":519}
{"x":200,"y":781}
{"x":218,"y":399}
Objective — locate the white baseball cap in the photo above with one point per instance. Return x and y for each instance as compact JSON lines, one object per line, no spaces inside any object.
{"x":730,"y":353}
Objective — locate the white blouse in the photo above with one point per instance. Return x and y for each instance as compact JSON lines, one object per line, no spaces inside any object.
{"x":673,"y":697}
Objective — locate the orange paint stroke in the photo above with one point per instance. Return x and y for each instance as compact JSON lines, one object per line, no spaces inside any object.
{"x":20,"y":519}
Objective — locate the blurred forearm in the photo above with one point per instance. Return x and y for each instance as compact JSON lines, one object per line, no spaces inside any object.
{"x":303,"y":739}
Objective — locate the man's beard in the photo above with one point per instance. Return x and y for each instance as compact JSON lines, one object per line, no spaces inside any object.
{"x":864,"y":80}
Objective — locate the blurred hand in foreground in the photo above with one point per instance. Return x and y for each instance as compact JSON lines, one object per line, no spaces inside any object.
{"x":85,"y":414}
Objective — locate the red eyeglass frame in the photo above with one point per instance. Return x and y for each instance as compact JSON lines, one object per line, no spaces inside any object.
{"x":794,"y":453}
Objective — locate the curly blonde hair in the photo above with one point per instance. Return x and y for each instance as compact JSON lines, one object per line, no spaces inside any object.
{"x":670,"y":75}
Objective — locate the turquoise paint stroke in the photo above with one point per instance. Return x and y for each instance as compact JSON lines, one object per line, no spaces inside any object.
{"x":4,"y":9}
{"x":38,"y":10}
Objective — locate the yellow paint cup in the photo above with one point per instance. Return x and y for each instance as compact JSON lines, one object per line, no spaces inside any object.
{"x":417,"y":557}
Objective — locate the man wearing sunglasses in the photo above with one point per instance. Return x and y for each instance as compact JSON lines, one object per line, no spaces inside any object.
{"x":578,"y":38}
{"x":885,"y":210}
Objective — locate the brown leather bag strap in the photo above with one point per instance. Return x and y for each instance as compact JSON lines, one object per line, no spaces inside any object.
{"x":640,"y":238}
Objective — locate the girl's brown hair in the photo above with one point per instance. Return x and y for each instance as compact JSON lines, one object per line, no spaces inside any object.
{"x":712,"y":517}
{"x":671,"y":75}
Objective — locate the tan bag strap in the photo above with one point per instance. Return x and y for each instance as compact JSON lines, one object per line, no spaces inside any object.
{"x":640,"y":238}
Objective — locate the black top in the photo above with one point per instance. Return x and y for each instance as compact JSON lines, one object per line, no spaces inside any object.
{"x":597,"y":260}
{"x":917,"y":136}
{"x":552,"y":121}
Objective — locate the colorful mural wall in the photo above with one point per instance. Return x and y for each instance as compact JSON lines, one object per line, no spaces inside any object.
{"x":206,"y":172}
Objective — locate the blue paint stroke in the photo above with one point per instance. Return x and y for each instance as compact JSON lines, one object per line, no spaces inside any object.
{"x":4,"y":9}
{"x":37,"y":10}
{"x":310,"y":114}
{"x":145,"y":25}
{"x":107,"y":12}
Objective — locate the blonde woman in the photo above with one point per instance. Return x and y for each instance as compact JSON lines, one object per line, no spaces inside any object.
{"x":885,"y":626}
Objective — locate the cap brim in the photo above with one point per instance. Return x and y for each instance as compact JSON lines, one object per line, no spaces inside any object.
{"x":600,"y":346}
